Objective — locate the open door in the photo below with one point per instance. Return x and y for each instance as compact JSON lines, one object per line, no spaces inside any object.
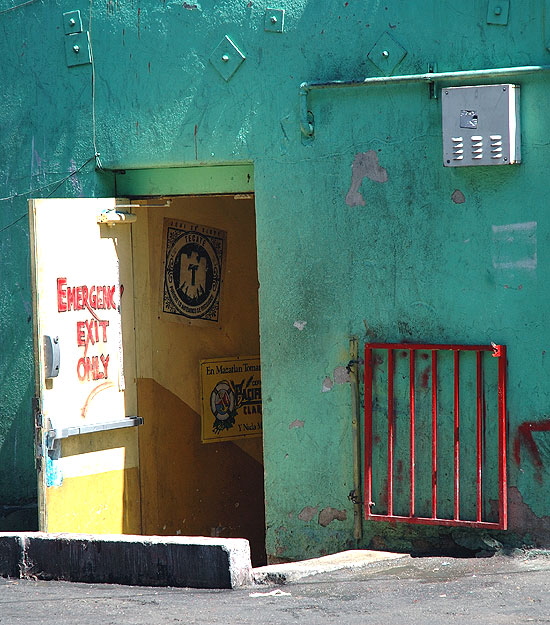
{"x":85,"y":407}
{"x":198,"y":367}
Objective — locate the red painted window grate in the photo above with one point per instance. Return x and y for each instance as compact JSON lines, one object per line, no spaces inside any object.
{"x":435,"y":434}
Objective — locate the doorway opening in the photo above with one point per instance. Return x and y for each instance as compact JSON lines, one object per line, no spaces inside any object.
{"x":186,"y":311}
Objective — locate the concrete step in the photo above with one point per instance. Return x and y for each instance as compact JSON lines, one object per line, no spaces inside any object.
{"x":293,"y":571}
{"x":181,"y":561}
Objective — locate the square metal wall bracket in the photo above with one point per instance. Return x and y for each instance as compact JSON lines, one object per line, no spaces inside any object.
{"x":227,"y":58}
{"x":497,"y":12}
{"x":386,"y":54}
{"x":274,"y":20}
{"x":77,"y":49}
{"x":72,"y":22}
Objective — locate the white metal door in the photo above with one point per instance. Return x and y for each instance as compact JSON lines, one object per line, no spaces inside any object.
{"x":83,"y":304}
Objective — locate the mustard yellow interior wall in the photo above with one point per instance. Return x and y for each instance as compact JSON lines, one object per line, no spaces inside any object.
{"x":188,"y":487}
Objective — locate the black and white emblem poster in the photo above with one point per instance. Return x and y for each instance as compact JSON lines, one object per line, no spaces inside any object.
{"x":192,"y":271}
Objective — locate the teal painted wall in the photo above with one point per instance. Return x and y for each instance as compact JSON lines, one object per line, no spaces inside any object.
{"x":400,"y":261}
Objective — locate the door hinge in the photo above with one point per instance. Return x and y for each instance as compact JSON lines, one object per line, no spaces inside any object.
{"x":38,"y":429}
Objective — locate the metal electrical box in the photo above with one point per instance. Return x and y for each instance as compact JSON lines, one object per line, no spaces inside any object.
{"x":481,"y":125}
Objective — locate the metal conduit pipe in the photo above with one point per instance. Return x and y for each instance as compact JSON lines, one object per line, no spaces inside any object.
{"x":306,"y":117}
{"x":356,"y":497}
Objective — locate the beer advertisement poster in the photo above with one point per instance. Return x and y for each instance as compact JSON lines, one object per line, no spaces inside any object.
{"x":231,"y":391}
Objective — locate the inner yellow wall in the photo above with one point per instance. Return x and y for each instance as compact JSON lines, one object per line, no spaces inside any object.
{"x":188,"y":487}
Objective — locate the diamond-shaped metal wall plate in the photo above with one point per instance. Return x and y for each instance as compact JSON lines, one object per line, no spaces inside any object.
{"x":227,"y":58}
{"x":274,"y":21}
{"x":77,"y":49}
{"x":386,"y":54}
{"x":72,"y":22}
{"x":497,"y":12}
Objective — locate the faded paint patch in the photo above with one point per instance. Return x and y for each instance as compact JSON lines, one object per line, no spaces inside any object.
{"x":365,"y":165}
{"x":341,"y":375}
{"x":515,"y":246}
{"x":308,"y":513}
{"x":300,"y":325}
{"x":327,"y":385}
{"x":458,"y":197}
{"x":328,"y":515}
{"x":296,"y":424}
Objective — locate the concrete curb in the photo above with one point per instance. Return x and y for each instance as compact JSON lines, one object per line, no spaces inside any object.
{"x":181,"y":561}
{"x":345,"y":560}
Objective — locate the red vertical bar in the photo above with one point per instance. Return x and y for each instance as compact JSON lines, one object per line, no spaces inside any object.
{"x":434,"y":434}
{"x":412,"y":408}
{"x":456,"y":435}
{"x":390,"y":432}
{"x":479,"y":437}
{"x":503,"y":495}
{"x":368,"y":430}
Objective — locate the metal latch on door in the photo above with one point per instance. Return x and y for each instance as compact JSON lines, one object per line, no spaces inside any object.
{"x":51,"y":356}
{"x":113,"y":217}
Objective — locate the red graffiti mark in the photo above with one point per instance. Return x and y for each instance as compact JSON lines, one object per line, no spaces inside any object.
{"x":95,"y":391}
{"x":525,"y":436}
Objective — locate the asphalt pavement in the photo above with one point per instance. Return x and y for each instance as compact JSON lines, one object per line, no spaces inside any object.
{"x":502,"y":589}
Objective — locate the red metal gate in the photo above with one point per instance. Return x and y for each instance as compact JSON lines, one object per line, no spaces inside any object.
{"x":435,"y":434}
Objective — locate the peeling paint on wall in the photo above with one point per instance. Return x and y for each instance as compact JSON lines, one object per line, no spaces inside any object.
{"x":308,"y":513}
{"x":296,"y":424}
{"x":327,"y":385}
{"x":521,"y":517}
{"x":458,"y":197}
{"x":300,"y":325}
{"x":365,"y":165}
{"x":328,"y":515}
{"x":341,"y":375}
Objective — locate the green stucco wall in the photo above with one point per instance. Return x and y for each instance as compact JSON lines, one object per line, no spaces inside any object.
{"x":402,"y":257}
